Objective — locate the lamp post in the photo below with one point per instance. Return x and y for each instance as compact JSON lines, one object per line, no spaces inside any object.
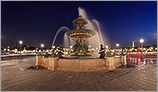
{"x":42,"y":45}
{"x":141,"y":41}
{"x":20,"y":42}
{"x":117,"y":45}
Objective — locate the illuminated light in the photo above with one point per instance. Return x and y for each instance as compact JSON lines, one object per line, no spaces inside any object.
{"x":139,"y":59}
{"x":8,"y":49}
{"x":117,"y":56}
{"x":155,"y":48}
{"x":89,"y":46}
{"x":130,"y":49}
{"x":117,"y":45}
{"x":135,"y":49}
{"x":106,"y":46}
{"x":141,"y":40}
{"x":70,"y":46}
{"x":151,"y":47}
{"x":97,"y":48}
{"x":20,"y":42}
{"x":53,"y":47}
{"x":15,"y":50}
{"x":42,"y":45}
{"x":5,"y":49}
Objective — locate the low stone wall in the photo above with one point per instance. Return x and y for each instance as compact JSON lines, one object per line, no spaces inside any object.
{"x":54,"y":64}
{"x":81,"y":64}
{"x":40,"y":60}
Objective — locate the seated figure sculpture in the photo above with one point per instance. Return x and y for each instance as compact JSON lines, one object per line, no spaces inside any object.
{"x":102,"y":51}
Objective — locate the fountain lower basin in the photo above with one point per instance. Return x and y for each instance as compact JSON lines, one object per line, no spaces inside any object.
{"x":80,"y":64}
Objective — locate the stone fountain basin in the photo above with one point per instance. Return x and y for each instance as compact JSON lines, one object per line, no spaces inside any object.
{"x":81,"y":33}
{"x":80,"y":64}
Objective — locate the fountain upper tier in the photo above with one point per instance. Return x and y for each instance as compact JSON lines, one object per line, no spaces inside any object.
{"x":80,"y":32}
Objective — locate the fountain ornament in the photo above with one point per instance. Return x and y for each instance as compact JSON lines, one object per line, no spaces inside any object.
{"x":80,"y":34}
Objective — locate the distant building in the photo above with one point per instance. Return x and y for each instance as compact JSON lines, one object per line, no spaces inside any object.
{"x":132,"y":44}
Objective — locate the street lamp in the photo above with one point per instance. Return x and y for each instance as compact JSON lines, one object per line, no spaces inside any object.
{"x":117,"y":45}
{"x":42,"y":45}
{"x":20,"y":42}
{"x":53,"y":47}
{"x":141,"y":41}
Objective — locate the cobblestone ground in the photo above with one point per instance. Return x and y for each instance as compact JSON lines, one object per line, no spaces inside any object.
{"x":17,"y":77}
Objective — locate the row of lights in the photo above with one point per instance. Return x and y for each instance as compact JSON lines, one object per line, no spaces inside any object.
{"x":81,"y":34}
{"x":42,"y":45}
{"x":141,"y":41}
{"x":21,"y":42}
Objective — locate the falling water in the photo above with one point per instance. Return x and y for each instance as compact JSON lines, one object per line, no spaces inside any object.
{"x":94,"y":25}
{"x":82,"y":12}
{"x":95,"y":40}
{"x":68,"y":41}
{"x":99,"y":30}
{"x":59,"y":30}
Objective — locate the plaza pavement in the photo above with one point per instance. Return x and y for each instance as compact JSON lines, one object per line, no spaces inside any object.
{"x":16,"y":76}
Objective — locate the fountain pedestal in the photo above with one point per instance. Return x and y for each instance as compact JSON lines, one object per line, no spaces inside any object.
{"x":88,"y":64}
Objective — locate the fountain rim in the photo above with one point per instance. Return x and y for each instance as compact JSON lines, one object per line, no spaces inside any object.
{"x":86,"y":33}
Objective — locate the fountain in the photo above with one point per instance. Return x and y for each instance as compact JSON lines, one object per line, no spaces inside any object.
{"x":84,"y":34}
{"x":80,"y":35}
{"x":94,"y":41}
{"x":94,"y":25}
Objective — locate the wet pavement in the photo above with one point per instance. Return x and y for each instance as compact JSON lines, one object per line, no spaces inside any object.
{"x":17,"y":75}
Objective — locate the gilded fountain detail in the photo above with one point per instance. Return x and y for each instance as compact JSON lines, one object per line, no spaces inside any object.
{"x":80,"y":35}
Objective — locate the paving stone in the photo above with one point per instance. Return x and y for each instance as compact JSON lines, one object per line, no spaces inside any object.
{"x":120,"y":79}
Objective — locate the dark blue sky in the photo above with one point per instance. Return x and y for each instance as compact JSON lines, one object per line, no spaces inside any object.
{"x":37,"y":22}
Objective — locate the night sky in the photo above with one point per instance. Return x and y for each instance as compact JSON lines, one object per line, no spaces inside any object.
{"x":37,"y":22}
